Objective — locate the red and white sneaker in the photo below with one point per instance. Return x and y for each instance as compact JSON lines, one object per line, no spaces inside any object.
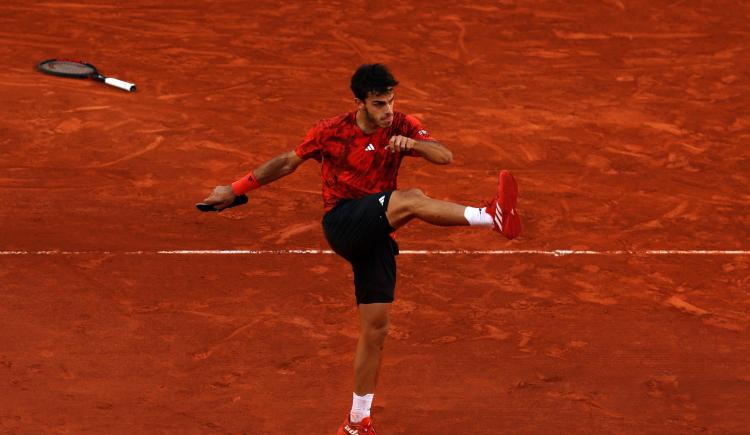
{"x":364,"y":427}
{"x":507,"y":221}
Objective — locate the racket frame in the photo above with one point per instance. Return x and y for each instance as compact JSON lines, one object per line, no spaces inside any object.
{"x":94,"y":74}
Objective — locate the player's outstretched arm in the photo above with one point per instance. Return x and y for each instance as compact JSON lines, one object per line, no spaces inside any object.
{"x":278,"y":167}
{"x":430,"y":150}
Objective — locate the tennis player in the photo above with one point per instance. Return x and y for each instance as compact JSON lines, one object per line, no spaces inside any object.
{"x":360,"y":153}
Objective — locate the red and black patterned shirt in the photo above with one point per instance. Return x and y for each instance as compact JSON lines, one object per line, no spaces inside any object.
{"x":355,"y":164}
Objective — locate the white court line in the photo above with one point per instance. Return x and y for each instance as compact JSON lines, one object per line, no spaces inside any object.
{"x":553,"y":253}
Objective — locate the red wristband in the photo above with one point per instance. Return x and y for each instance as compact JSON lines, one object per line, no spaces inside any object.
{"x":245,"y":184}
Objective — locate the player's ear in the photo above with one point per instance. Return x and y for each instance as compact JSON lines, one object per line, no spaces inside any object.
{"x":360,"y":104}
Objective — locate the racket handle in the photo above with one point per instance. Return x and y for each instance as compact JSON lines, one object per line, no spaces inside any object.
{"x":130,"y":87}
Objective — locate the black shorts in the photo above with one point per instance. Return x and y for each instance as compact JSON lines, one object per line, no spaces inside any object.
{"x":358,"y":230}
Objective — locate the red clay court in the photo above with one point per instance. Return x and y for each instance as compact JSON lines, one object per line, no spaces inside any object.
{"x":625,"y":122}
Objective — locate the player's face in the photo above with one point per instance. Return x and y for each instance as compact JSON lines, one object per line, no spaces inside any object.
{"x":379,"y":109}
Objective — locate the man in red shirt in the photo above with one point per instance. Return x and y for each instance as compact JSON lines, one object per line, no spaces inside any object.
{"x":360,"y":153}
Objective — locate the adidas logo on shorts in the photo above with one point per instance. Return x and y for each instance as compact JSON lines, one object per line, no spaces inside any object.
{"x":382,"y":200}
{"x":370,"y":147}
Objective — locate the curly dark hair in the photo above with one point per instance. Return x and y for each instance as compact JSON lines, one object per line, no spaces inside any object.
{"x":372,"y":78}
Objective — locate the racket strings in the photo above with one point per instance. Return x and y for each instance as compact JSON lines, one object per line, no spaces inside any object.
{"x":68,"y":67}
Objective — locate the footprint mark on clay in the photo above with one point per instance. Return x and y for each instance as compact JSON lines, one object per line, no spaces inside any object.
{"x":288,"y":367}
{"x":661,"y":385}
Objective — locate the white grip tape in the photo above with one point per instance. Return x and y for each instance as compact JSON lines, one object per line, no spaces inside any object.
{"x":130,"y":87}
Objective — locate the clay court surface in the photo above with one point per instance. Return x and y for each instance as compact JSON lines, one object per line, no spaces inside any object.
{"x":625,"y":122}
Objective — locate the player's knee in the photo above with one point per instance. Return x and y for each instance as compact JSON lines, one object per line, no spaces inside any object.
{"x":415,"y":193}
{"x":377,"y":333}
{"x":414,"y":198}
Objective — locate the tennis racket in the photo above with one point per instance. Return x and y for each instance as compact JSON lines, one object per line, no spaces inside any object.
{"x":239,"y":200}
{"x":79,"y":69}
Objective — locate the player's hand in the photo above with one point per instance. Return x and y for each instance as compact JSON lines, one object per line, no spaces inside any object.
{"x":399,"y":144}
{"x":221,"y":198}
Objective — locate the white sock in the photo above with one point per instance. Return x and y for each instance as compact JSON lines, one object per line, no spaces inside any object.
{"x":360,"y":407}
{"x":478,"y":216}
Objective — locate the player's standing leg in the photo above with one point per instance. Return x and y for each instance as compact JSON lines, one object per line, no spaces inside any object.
{"x":374,"y":323}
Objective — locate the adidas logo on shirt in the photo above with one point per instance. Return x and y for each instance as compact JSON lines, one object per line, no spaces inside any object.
{"x":370,"y":147}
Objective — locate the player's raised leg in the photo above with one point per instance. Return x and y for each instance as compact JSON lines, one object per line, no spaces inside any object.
{"x":501,"y":213}
{"x":406,"y":205}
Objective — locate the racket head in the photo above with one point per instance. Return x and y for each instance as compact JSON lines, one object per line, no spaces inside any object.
{"x":68,"y":68}
{"x":239,"y":200}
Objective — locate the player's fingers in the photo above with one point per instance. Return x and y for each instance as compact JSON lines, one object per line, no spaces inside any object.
{"x":215,"y":199}
{"x":392,"y":144}
{"x":220,"y":195}
{"x":402,"y":141}
{"x":215,"y":196}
